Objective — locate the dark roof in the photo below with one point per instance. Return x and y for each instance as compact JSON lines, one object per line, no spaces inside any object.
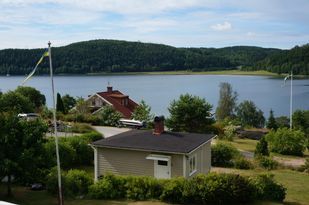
{"x":126,"y":111}
{"x":174,"y":142}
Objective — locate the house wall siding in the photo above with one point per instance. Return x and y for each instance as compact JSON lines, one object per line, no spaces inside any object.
{"x":130,"y":162}
{"x":203,"y":160}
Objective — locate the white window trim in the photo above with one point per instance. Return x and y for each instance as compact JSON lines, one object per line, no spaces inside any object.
{"x":195,"y":165}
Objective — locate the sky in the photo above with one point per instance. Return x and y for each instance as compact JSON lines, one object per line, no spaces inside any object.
{"x":180,"y":23}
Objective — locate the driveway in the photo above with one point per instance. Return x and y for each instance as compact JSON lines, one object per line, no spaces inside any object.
{"x":110,"y":131}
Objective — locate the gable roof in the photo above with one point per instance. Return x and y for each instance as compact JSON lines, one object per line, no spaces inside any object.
{"x":170,"y":142}
{"x":111,"y":96}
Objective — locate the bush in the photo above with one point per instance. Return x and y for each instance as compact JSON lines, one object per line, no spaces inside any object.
{"x":222,"y":154}
{"x":52,"y":181}
{"x":109,"y":187}
{"x":261,"y":148}
{"x":66,"y":152}
{"x":77,"y":182}
{"x":267,"y":189}
{"x":173,"y":190}
{"x":84,"y":153}
{"x":286,"y":141}
{"x":229,"y":132}
{"x":242,"y":163}
{"x":143,"y":188}
{"x":81,"y":128}
{"x":92,"y":136}
{"x":267,"y":163}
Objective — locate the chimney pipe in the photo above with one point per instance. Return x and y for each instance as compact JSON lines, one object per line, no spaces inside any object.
{"x":109,"y":89}
{"x":158,"y":125}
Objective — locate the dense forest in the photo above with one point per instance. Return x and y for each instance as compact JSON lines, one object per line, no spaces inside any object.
{"x":122,"y":56}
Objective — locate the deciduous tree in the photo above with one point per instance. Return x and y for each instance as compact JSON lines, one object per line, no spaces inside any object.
{"x":227,"y":101}
{"x":190,"y":114}
{"x":250,"y":115}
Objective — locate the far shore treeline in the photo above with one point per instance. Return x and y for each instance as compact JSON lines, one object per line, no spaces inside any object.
{"x":99,"y":56}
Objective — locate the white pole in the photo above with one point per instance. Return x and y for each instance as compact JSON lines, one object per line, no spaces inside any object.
{"x":55,"y":126}
{"x":291,"y":101}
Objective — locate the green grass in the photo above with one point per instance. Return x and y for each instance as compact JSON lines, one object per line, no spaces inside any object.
{"x":244,"y":144}
{"x":222,"y":72}
{"x":297,"y":183}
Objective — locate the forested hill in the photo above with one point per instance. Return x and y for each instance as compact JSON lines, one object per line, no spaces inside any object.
{"x":282,"y":62}
{"x":122,"y":56}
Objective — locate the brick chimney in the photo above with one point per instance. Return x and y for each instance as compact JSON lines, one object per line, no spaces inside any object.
{"x":109,"y":89}
{"x":158,"y":125}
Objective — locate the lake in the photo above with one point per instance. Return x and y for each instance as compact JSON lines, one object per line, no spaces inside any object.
{"x":159,"y":90}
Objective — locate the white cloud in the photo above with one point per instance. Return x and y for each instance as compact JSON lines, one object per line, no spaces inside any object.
{"x":222,"y":27}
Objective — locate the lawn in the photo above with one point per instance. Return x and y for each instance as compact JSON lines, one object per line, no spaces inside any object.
{"x":297,"y":183}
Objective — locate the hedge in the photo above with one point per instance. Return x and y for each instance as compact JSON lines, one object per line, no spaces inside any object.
{"x":202,"y":189}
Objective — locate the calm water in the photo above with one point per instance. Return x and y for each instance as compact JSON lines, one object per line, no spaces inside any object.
{"x":159,"y":90}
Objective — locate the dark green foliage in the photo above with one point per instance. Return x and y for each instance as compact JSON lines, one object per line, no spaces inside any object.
{"x":109,"y":187}
{"x":109,"y":116}
{"x":68,"y":102}
{"x":212,"y":188}
{"x":122,"y":56}
{"x":261,"y":148}
{"x":189,"y":114}
{"x":33,"y":95}
{"x":21,"y":148}
{"x":282,"y":121}
{"x":143,"y":188}
{"x":301,"y":122}
{"x":81,"y":128}
{"x":286,"y":141}
{"x":242,"y":163}
{"x":283,"y":61}
{"x":227,"y":102}
{"x":15,"y":103}
{"x":77,"y":182}
{"x":267,"y":189}
{"x":271,"y":122}
{"x":250,"y":115}
{"x":143,"y":113}
{"x":267,"y":162}
{"x":59,"y":104}
{"x":222,"y":154}
{"x":91,"y":136}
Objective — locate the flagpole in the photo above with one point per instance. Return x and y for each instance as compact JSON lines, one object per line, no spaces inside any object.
{"x":291,"y":100}
{"x":55,"y":126}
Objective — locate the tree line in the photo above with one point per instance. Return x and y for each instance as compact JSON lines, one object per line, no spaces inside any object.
{"x":122,"y":56}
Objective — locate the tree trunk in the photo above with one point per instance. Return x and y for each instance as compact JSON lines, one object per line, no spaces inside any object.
{"x":9,"y":189}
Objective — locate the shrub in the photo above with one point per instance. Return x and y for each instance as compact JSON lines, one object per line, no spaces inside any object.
{"x":142,"y":188}
{"x":229,"y":132}
{"x":77,"y":182}
{"x":92,"y":136}
{"x":173,"y":190}
{"x":52,"y":181}
{"x":84,"y":153}
{"x":261,"y":148}
{"x":242,"y":163}
{"x":81,"y":128}
{"x":66,"y":152}
{"x":222,"y":154}
{"x":267,"y":189}
{"x":109,"y":187}
{"x":286,"y":141}
{"x":267,"y":163}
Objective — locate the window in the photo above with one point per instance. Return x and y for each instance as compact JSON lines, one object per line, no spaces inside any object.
{"x":192,"y":164}
{"x":162,"y":163}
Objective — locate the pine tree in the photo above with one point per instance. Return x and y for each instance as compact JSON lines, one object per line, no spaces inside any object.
{"x":59,"y":105}
{"x":261,"y":148}
{"x":271,"y":122}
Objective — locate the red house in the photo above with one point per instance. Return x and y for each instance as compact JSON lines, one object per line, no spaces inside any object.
{"x":120,"y":102}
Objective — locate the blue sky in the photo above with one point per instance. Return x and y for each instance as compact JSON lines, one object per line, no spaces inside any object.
{"x":180,"y":23}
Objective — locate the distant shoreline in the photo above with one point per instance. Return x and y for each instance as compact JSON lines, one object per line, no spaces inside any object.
{"x":222,"y":72}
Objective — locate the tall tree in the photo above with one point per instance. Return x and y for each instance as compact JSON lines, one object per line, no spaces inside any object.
{"x":271,"y":122}
{"x":143,"y":112}
{"x":59,"y":105}
{"x":227,"y":101}
{"x":250,"y":115}
{"x":68,"y":102}
{"x":33,"y":95}
{"x":189,"y":114}
{"x":21,"y":148}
